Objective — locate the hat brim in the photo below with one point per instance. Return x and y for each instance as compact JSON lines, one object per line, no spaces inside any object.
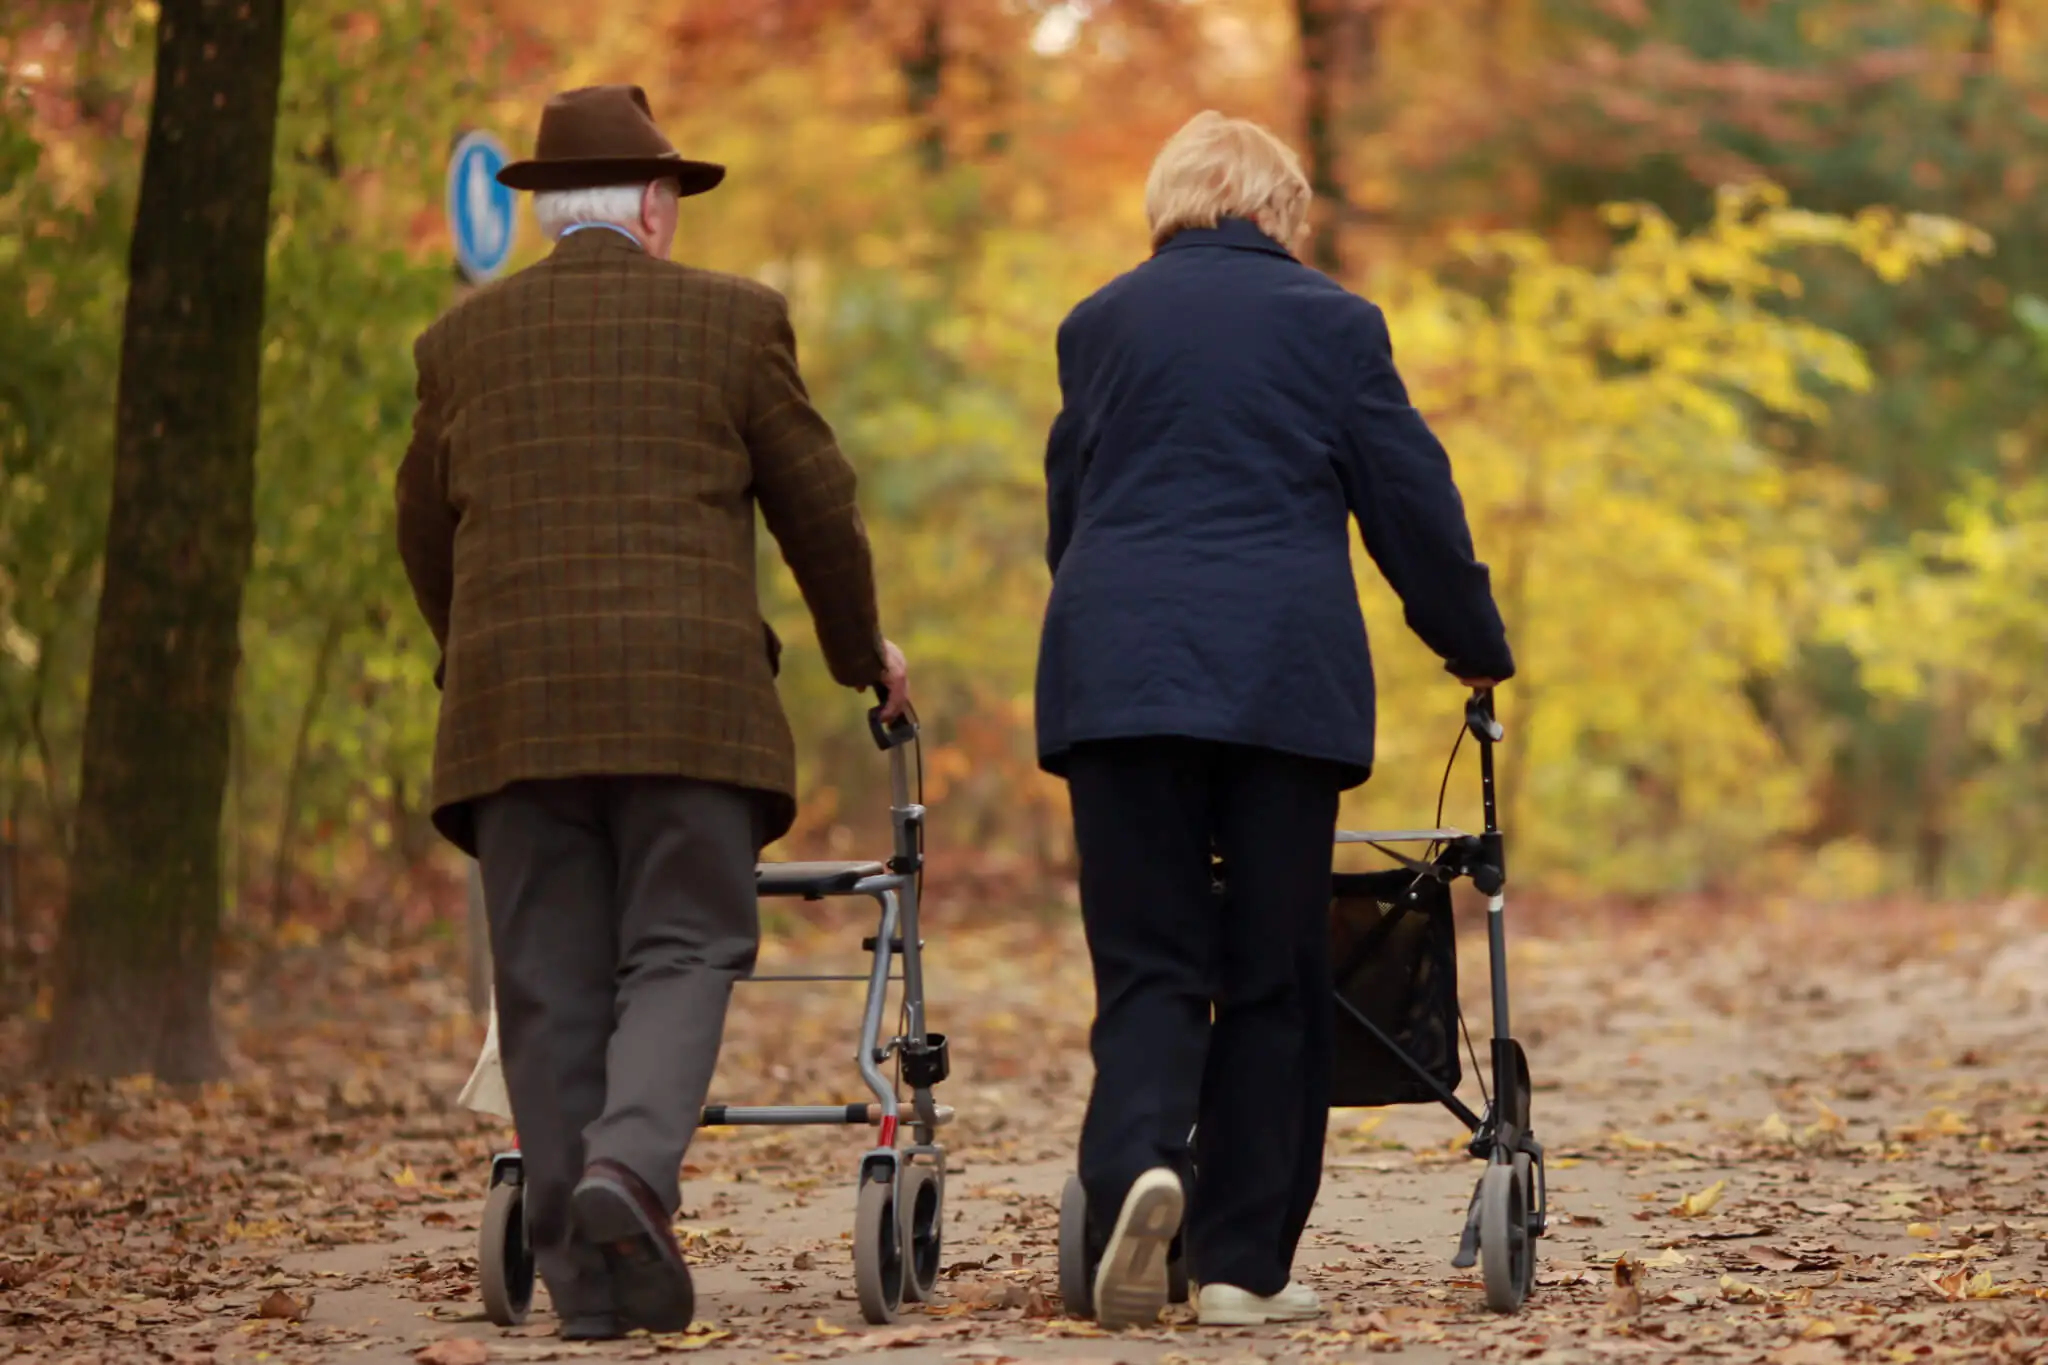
{"x":691,"y":177}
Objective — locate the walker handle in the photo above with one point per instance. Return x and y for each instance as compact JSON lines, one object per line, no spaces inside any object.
{"x":1479,"y":717}
{"x":896,"y":733}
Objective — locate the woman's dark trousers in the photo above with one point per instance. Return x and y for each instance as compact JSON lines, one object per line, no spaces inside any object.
{"x":1213,"y":1012}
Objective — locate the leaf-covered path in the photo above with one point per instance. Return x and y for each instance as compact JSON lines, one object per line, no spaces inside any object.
{"x":1816,"y":1136}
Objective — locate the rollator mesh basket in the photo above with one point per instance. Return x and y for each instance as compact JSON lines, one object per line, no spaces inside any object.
{"x":1394,"y":955}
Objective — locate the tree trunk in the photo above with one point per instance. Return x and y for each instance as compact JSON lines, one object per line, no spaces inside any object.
{"x":295,"y":778}
{"x":135,"y":972}
{"x":1318,"y":23}
{"x":924,"y":81}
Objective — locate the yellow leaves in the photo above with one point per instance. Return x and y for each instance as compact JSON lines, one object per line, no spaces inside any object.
{"x":297,"y":933}
{"x":406,"y":1179}
{"x":1629,"y":1142}
{"x":696,"y":1337}
{"x":1701,"y":1204}
{"x":826,"y":1329}
{"x":261,"y":1230}
{"x":1922,"y":1230}
{"x":1742,"y":1291}
{"x":1606,"y":431}
{"x":1960,"y":1286}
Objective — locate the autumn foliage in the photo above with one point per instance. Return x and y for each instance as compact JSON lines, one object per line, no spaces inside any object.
{"x":1729,"y":313}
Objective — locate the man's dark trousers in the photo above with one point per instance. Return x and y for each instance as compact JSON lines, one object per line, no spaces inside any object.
{"x":622,"y":909}
{"x":1150,"y":818}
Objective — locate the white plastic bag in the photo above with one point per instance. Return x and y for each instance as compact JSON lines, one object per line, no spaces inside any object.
{"x":485,"y":1092}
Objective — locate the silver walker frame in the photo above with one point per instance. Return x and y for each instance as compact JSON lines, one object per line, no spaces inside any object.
{"x":900,"y":1187}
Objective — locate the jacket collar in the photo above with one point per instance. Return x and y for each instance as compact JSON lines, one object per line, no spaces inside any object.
{"x":594,"y":241}
{"x":1235,"y":234}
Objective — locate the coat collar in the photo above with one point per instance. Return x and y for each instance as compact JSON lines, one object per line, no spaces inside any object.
{"x":1235,"y":234}
{"x":596,"y":241}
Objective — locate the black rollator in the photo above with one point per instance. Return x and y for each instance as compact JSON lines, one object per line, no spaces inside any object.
{"x":1394,"y":955}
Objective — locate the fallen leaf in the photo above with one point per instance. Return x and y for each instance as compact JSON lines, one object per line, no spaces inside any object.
{"x":406,"y":1179}
{"x":1701,"y":1204}
{"x":1810,"y":1353}
{"x":826,"y":1329}
{"x":1960,"y":1286}
{"x":696,"y":1338}
{"x":1741,"y":1291}
{"x":1625,"y":1300}
{"x":454,"y":1351}
{"x":280,"y":1305}
{"x":1922,"y":1230}
{"x":1771,"y":1258}
{"x":803,"y":1260}
{"x":1631,"y":1143}
{"x":1775,"y":1129}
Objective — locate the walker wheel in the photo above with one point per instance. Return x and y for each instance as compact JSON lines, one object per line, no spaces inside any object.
{"x":923,"y":1202}
{"x":1077,"y":1295}
{"x":504,"y":1261}
{"x":1532,"y":1218}
{"x":1077,"y":1288}
{"x":878,"y":1269}
{"x":1507,"y":1256}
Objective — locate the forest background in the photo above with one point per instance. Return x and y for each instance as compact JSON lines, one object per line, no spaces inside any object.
{"x":1733,"y":315}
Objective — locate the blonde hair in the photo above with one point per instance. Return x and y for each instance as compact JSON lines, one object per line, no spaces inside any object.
{"x":1216,"y":168}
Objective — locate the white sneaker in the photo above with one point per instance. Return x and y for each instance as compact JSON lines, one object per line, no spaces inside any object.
{"x":1130,"y":1284}
{"x":1225,"y":1305}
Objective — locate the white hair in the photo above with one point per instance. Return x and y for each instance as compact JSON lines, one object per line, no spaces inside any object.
{"x":619,"y":205}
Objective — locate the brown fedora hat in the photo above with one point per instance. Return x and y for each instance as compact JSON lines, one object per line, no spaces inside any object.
{"x":604,"y":135}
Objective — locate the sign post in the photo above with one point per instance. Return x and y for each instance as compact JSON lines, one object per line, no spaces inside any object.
{"x":482,"y":214}
{"x":482,"y":222}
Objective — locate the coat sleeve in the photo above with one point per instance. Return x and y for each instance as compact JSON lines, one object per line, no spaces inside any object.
{"x":426,"y":519}
{"x":806,"y":490}
{"x":1398,"y":480}
{"x":1065,"y":461}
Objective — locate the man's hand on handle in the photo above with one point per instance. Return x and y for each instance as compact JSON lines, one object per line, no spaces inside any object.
{"x":1480,"y":684}
{"x":895,"y":682}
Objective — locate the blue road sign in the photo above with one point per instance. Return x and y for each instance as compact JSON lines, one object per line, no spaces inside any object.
{"x":481,"y":212}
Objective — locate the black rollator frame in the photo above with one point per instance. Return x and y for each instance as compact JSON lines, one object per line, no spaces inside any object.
{"x":1508,"y":1211}
{"x":1394,"y":947}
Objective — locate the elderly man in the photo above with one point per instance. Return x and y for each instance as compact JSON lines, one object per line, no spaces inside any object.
{"x":576,"y":514}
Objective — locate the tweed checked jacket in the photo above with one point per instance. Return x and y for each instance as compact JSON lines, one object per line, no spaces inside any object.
{"x":576,"y":514}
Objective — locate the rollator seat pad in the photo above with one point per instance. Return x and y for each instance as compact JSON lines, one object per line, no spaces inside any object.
{"x":813,"y":879}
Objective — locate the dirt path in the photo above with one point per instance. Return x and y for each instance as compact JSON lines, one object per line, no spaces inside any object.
{"x":1816,"y":1136}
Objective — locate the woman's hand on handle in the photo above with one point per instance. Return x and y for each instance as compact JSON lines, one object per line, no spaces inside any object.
{"x":895,"y":682}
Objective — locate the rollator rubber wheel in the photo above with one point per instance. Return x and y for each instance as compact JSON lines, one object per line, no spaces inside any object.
{"x":1077,"y":1295}
{"x":1077,"y":1290}
{"x":1506,"y":1258}
{"x":504,"y":1260}
{"x":878,"y":1268}
{"x":1532,"y":1219}
{"x":924,"y":1231}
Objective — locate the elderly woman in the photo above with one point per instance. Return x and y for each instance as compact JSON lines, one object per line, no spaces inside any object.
{"x":1205,"y":688}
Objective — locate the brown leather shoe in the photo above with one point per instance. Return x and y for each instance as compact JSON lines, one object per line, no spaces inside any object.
{"x":614,"y":1211}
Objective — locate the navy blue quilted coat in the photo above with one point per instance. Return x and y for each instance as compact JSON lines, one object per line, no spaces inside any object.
{"x":1227,"y":412}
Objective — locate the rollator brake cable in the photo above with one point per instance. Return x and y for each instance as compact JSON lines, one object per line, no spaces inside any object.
{"x":1442,"y":793}
{"x":1426,"y":866}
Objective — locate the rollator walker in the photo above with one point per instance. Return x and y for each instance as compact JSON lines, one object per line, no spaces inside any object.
{"x":900,"y":1184}
{"x":1394,"y":958}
